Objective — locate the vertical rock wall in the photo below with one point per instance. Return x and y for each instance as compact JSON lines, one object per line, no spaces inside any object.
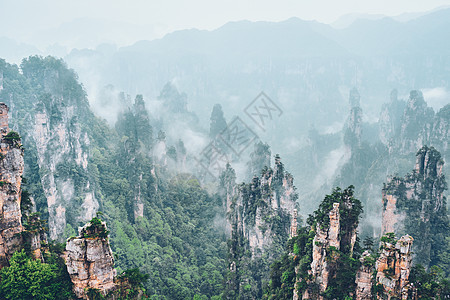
{"x":253,"y":207}
{"x":391,"y":217}
{"x":353,"y":130}
{"x":364,"y":278}
{"x":90,"y":261}
{"x":416,"y":204}
{"x":393,"y":267}
{"x":323,"y":258}
{"x":62,"y":144}
{"x":11,"y":170}
{"x":416,"y":124}
{"x":391,"y":271}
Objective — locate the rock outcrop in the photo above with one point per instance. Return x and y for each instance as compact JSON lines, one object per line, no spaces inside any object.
{"x":90,"y":261}
{"x":407,"y":126}
{"x":353,"y":130}
{"x":11,"y":170}
{"x":334,"y":226}
{"x":261,"y":216}
{"x":364,"y":277}
{"x":256,"y":204}
{"x":416,"y":123}
{"x":61,"y":145}
{"x":51,"y":111}
{"x":228,"y":190}
{"x":389,"y":273}
{"x":259,"y":158}
{"x":440,"y":133}
{"x":325,"y":242}
{"x":392,"y":217}
{"x":328,"y":241}
{"x":136,"y":135}
{"x":390,"y":118}
{"x":416,"y":205}
{"x":393,"y":267}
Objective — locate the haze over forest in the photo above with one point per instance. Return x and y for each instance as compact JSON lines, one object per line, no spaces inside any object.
{"x":222,"y":142}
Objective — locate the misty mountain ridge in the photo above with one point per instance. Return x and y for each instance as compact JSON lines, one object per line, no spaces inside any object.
{"x":78,"y":33}
{"x":293,"y":38}
{"x":199,"y":165}
{"x":348,"y":19}
{"x":299,"y":38}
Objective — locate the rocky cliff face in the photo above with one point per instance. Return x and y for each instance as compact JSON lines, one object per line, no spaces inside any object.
{"x":416,"y":204}
{"x":393,"y":267}
{"x":323,"y":259}
{"x":259,"y":158}
{"x":324,"y":267}
{"x":11,"y":170}
{"x":90,"y":261}
{"x":392,"y":217}
{"x":387,"y":277}
{"x":261,"y":216}
{"x":364,"y":278}
{"x":228,"y":190}
{"x":390,"y":118}
{"x":353,"y":130}
{"x":416,"y":123}
{"x":329,"y":240}
{"x":440,"y":134}
{"x":136,"y":135}
{"x":52,"y":113}
{"x":255,"y":205}
{"x":405,"y":127}
{"x":62,"y":148}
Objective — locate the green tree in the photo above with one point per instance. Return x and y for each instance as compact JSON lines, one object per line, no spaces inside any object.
{"x":218,"y":123}
{"x":430,"y":285}
{"x":26,"y":278}
{"x":368,"y":243}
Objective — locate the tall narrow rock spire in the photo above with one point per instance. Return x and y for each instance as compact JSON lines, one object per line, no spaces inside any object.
{"x":11,"y":170}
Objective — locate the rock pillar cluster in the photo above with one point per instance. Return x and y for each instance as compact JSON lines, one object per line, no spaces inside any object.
{"x":390,"y":272}
{"x":416,"y":205}
{"x":393,"y":268}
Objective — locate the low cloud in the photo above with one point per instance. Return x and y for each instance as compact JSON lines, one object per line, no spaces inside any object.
{"x":436,"y":97}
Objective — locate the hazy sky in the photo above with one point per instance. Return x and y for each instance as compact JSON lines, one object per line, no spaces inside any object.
{"x":23,"y":17}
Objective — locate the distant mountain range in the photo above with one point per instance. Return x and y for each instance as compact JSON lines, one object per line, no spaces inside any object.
{"x":361,"y":34}
{"x":294,"y":38}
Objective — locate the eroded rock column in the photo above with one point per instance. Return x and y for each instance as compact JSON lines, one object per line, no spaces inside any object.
{"x":90,"y":261}
{"x":11,"y":170}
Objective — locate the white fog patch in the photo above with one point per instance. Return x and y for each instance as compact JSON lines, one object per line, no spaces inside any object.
{"x":333,"y":128}
{"x":240,"y":167}
{"x":436,"y":97}
{"x":370,"y":118}
{"x":220,"y":222}
{"x":194,"y":141}
{"x":292,"y":144}
{"x":103,"y":99}
{"x":333,"y":162}
{"x":105,"y":103}
{"x":374,"y":216}
{"x":154,"y":107}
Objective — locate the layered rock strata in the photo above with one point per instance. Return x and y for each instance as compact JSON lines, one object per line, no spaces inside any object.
{"x":364,"y":278}
{"x":90,"y":261}
{"x":390,"y":272}
{"x":11,"y":170}
{"x":326,"y":241}
{"x":393,"y":267}
{"x":254,"y":205}
{"x":416,"y":204}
